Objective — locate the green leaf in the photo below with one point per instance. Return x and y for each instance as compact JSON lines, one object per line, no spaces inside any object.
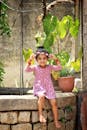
{"x":63,"y":57}
{"x":27,"y":54}
{"x":74,"y":29}
{"x":49,"y":24}
{"x":76,"y":65}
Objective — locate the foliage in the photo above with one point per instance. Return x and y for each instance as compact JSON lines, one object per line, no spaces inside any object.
{"x":2,"y":72}
{"x":68,"y":108}
{"x":27,"y":53}
{"x":63,"y":57}
{"x":66,"y":72}
{"x":4,"y":26}
{"x":55,"y":29}
{"x":63,"y":119}
{"x":69,"y":67}
{"x":40,"y":37}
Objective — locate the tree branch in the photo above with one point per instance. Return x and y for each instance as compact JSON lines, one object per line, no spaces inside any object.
{"x":44,"y":8}
{"x":52,"y":4}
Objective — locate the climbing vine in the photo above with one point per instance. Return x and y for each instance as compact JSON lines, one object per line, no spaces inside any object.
{"x":4,"y":25}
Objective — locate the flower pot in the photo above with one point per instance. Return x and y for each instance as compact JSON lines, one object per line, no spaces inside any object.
{"x":66,"y":84}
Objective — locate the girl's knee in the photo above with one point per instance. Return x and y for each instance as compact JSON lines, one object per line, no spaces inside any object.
{"x":54,"y":103}
{"x":41,"y":99}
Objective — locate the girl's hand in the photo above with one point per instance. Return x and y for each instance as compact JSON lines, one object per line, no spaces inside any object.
{"x":53,"y":57}
{"x":31,"y":59}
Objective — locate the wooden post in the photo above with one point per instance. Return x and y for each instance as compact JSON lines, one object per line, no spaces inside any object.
{"x":84,"y":36}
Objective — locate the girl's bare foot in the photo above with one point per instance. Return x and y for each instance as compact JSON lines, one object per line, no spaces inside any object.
{"x":57,"y":124}
{"x":42,"y":119}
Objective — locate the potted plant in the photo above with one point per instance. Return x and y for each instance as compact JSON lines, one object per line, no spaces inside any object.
{"x":69,"y":68}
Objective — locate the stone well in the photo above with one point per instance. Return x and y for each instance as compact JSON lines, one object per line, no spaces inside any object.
{"x":20,"y":112}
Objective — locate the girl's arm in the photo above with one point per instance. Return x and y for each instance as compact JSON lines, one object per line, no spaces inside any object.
{"x":58,"y":65}
{"x":28,"y":67}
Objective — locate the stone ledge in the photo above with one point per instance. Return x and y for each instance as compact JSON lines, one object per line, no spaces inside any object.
{"x":29,"y":102}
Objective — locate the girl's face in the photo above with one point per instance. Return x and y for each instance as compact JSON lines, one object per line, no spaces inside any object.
{"x":42,"y":60}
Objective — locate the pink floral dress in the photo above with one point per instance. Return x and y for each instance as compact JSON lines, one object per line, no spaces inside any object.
{"x":43,"y":85}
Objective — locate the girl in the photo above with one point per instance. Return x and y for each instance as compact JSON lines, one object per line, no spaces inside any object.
{"x":43,"y":87}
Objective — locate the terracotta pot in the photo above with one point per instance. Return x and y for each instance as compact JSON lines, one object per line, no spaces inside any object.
{"x":66,"y":84}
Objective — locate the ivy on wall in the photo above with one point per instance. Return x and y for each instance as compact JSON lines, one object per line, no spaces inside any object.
{"x":4,"y":25}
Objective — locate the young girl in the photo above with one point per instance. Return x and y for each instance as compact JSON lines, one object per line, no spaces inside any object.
{"x":43,"y":87}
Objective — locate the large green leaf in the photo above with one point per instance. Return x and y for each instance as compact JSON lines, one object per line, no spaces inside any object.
{"x":48,"y":42}
{"x":49,"y":24}
{"x":62,"y":30}
{"x":74,"y":29}
{"x":27,"y":54}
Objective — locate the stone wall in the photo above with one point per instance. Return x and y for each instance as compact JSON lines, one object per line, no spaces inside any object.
{"x":21,"y":113}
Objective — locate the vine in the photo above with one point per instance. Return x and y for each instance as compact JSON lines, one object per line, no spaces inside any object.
{"x":4,"y":26}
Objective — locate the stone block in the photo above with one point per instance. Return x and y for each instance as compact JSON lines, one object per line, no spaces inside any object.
{"x":24,"y":116}
{"x":4,"y":127}
{"x":68,"y":99}
{"x":45,"y":114}
{"x":47,"y":105}
{"x":35,"y":116}
{"x":25,"y":126}
{"x":61,"y":113}
{"x":9,"y":117}
{"x":39,"y":126}
{"x":51,"y":126}
{"x":50,"y":115}
{"x":70,"y":125}
{"x":70,"y":115}
{"x":17,"y":102}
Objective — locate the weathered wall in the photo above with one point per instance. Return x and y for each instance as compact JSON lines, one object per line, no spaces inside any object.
{"x":21,"y":113}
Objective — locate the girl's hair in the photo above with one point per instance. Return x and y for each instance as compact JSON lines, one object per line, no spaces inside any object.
{"x":41,"y":50}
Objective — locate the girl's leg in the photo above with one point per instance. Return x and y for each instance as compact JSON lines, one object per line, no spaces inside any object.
{"x":40,"y":108}
{"x":55,"y":112}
